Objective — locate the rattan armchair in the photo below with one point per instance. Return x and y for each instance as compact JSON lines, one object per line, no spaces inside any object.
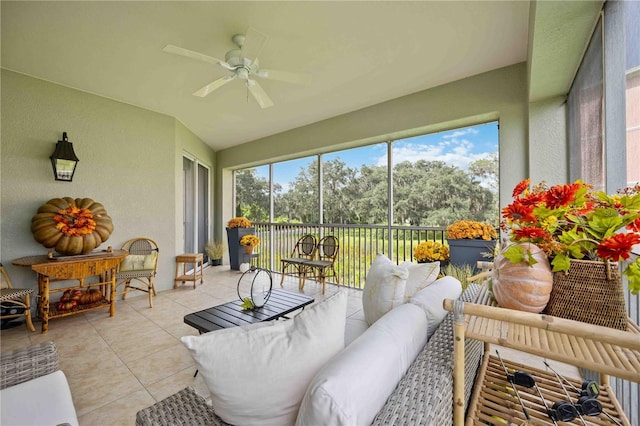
{"x":138,"y":269}
{"x":16,"y":302}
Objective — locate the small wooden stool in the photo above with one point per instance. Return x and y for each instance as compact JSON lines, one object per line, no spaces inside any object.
{"x":186,"y":258}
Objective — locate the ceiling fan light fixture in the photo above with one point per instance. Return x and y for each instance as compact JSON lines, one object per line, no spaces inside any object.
{"x":242,"y":73}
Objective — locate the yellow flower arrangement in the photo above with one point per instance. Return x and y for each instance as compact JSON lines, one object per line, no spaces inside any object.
{"x":249,"y":240}
{"x":239,"y":222}
{"x":431,"y":251}
{"x":472,"y":230}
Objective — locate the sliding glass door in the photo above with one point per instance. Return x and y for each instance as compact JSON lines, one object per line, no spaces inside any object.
{"x":195,"y":205}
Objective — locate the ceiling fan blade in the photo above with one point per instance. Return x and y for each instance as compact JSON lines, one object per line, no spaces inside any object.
{"x":214,"y":85}
{"x":253,"y":43}
{"x":170,"y":48}
{"x":259,"y":94}
{"x":286,"y":76}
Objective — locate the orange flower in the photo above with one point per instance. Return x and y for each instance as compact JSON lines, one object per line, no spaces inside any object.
{"x":618,"y":246}
{"x":518,"y":211}
{"x":530,"y":233}
{"x":561,"y":195}
{"x":521,"y":187}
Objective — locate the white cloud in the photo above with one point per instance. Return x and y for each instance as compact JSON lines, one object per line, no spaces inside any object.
{"x":458,"y":133}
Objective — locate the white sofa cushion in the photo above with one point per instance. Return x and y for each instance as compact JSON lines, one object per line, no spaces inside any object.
{"x":383,"y":289}
{"x":354,"y":386}
{"x":257,"y":374}
{"x":45,"y":400}
{"x":420,"y":276}
{"x":430,"y":299}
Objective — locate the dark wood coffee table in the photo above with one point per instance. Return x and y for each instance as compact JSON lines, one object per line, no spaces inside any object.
{"x":230,"y":314}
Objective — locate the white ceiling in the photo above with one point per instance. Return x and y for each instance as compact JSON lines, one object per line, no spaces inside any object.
{"x":360,"y":53}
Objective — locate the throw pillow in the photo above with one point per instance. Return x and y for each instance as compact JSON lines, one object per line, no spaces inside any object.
{"x":430,"y":299}
{"x":355,"y":384}
{"x":420,"y":276}
{"x":384,"y":288}
{"x":135,"y":262}
{"x":258,"y":374}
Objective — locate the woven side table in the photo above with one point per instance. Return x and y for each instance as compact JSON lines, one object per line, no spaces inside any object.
{"x":184,"y":260}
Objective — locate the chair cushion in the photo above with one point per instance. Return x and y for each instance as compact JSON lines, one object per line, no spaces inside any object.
{"x":13,"y":293}
{"x":355,"y":384}
{"x":45,"y":400}
{"x":383,"y":289}
{"x":257,"y":374}
{"x":139,"y":261}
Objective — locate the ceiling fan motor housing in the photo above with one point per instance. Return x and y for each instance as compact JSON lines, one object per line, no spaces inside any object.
{"x":234,"y":57}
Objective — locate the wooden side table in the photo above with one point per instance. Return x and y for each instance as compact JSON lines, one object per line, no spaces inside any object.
{"x":185,"y":259}
{"x":605,"y":350}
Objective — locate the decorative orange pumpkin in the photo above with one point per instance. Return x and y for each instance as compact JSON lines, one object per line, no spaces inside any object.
{"x":520,"y":286}
{"x":71,"y":226}
{"x":90,"y":296}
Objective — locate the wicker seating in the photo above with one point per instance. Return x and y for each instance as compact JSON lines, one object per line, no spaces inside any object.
{"x":303,"y":251}
{"x":422,"y":397}
{"x":27,"y":363}
{"x":16,"y":302}
{"x":33,"y":390}
{"x":323,"y":266}
{"x":138,"y":270}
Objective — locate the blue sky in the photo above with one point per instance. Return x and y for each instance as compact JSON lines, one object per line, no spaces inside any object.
{"x":458,"y":147}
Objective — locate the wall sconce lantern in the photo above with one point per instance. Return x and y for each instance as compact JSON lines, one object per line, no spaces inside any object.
{"x":64,"y":160}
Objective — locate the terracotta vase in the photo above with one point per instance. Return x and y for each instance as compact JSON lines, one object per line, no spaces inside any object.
{"x":248,"y":249}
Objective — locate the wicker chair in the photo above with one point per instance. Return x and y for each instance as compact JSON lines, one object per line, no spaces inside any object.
{"x":323,"y":267}
{"x":304,"y":251}
{"x":16,"y":302}
{"x":138,"y":270}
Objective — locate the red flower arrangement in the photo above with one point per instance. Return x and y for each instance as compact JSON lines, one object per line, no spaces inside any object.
{"x":573,"y":222}
{"x":75,"y":221}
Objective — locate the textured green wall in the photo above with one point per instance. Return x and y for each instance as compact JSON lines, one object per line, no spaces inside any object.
{"x":130,"y":161}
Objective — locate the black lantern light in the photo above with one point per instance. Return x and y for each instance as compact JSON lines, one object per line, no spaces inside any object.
{"x":64,"y":160}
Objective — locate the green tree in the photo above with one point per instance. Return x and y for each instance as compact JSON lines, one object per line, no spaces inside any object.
{"x":252,"y":195}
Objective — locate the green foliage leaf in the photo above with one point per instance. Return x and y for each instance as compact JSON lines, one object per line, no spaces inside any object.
{"x":247,"y":304}
{"x":560,"y":263}
{"x":514,"y":253}
{"x":633,"y":274}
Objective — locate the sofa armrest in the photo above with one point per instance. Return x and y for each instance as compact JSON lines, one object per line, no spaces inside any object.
{"x":27,"y":363}
{"x":424,"y":396}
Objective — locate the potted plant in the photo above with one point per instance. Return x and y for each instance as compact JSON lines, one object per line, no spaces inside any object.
{"x":215,"y":251}
{"x":585,"y":233}
{"x":249,"y":242}
{"x":469,"y":241}
{"x":237,"y":228}
{"x":431,"y":251}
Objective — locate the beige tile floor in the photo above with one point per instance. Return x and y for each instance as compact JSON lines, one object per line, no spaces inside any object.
{"x":118,"y":365}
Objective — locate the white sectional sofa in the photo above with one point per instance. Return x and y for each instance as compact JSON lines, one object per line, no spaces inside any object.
{"x":408,"y":382}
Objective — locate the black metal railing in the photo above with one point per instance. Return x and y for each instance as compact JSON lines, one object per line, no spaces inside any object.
{"x":359,"y":245}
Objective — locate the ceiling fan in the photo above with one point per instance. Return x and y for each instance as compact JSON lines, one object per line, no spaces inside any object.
{"x":243,"y":64}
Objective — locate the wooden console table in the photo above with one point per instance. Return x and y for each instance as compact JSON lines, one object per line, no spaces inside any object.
{"x":601,"y":349}
{"x":78,"y":268}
